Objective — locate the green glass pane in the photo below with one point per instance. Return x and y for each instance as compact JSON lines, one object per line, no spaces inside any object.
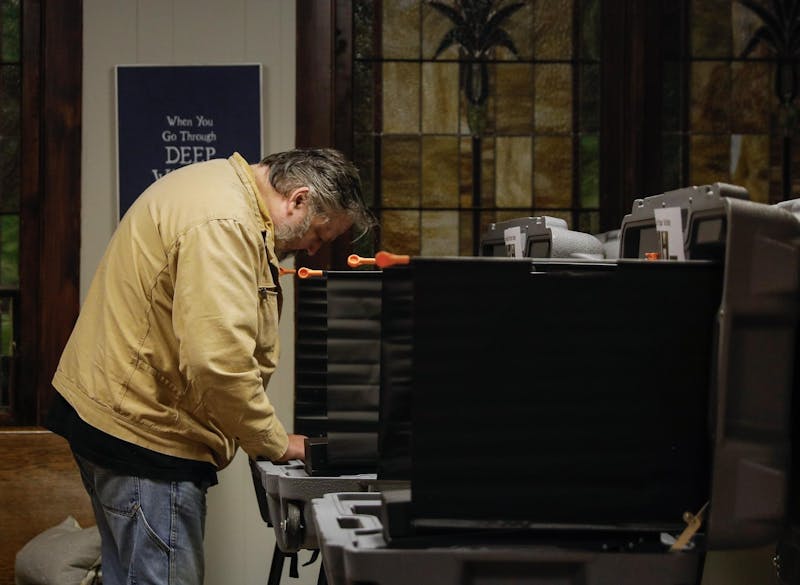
{"x":590,"y":171}
{"x":590,"y":29}
{"x":363,"y":19}
{"x":672,"y":162}
{"x":673,"y":96}
{"x":364,"y":159}
{"x":9,"y":137}
{"x":589,"y":222}
{"x":9,"y":250}
{"x":6,"y":326}
{"x":363,"y":96}
{"x":590,"y":98}
{"x":10,"y":30}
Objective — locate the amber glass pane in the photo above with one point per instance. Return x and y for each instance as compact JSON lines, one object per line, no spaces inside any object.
{"x":401,"y":89}
{"x":400,"y":232}
{"x":514,"y":98}
{"x":10,"y":31}
{"x":750,"y":164}
{"x":553,"y":98}
{"x":10,"y":89}
{"x":440,"y":98}
{"x":751,"y":97}
{"x":488,"y":163}
{"x":710,"y":156}
{"x":401,"y":22}
{"x":710,"y":91}
{"x":552,"y":177}
{"x":553,"y":29}
{"x":9,"y":250}
{"x":440,"y":171}
{"x":710,"y":28}
{"x":465,"y":233}
{"x":440,"y":233}
{"x":435,"y":26}
{"x":465,"y":172}
{"x":519,"y":26}
{"x":363,"y":28}
{"x":400,"y":172}
{"x":514,"y":166}
{"x":590,"y":171}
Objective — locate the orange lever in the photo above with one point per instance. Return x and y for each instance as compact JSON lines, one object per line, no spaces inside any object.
{"x":284,"y":271}
{"x":308,"y":272}
{"x":386,"y":259}
{"x":354,"y":261}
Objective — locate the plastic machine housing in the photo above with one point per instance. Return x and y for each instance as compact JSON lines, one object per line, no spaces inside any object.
{"x":753,"y":370}
{"x":709,"y":343}
{"x":544,"y":237}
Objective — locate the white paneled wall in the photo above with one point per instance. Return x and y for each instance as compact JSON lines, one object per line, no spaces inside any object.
{"x":194,"y":32}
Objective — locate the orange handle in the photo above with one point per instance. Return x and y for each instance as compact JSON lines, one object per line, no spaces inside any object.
{"x":284,"y":271}
{"x":386,"y":259}
{"x":354,"y":261}
{"x":308,"y":272}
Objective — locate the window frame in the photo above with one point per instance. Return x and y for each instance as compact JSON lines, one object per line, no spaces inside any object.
{"x":50,"y":200}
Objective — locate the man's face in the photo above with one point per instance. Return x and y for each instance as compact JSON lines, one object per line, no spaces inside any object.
{"x":308,"y":231}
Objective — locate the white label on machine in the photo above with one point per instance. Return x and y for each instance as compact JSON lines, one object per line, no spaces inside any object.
{"x":515,"y":243}
{"x":669,"y":226}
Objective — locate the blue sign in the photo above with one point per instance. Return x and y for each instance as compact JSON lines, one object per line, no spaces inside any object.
{"x":172,"y":116}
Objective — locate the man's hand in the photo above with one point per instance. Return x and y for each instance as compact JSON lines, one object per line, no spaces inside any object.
{"x":296,"y":448}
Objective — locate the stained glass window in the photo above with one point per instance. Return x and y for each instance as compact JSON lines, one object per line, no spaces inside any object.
{"x":723,"y":119}
{"x":10,"y":114}
{"x":438,"y":168}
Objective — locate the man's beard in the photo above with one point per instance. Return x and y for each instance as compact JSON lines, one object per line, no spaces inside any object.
{"x":286,"y":235}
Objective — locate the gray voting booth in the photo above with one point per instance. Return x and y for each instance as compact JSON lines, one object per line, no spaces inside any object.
{"x":576,"y":441}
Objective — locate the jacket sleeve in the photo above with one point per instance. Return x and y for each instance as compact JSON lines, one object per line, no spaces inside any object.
{"x":218,"y":321}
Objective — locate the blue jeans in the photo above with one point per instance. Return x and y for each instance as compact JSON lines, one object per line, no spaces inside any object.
{"x":151,"y":530}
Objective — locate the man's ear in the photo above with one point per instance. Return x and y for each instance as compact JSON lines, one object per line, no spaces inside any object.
{"x":299,"y":198}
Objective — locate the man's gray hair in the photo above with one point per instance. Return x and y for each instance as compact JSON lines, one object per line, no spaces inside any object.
{"x":333,"y":182}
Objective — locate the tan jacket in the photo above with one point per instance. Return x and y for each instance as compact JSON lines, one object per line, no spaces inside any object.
{"x":178,"y":335}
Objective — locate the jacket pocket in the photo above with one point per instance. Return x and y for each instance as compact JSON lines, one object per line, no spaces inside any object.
{"x":267,"y":336}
